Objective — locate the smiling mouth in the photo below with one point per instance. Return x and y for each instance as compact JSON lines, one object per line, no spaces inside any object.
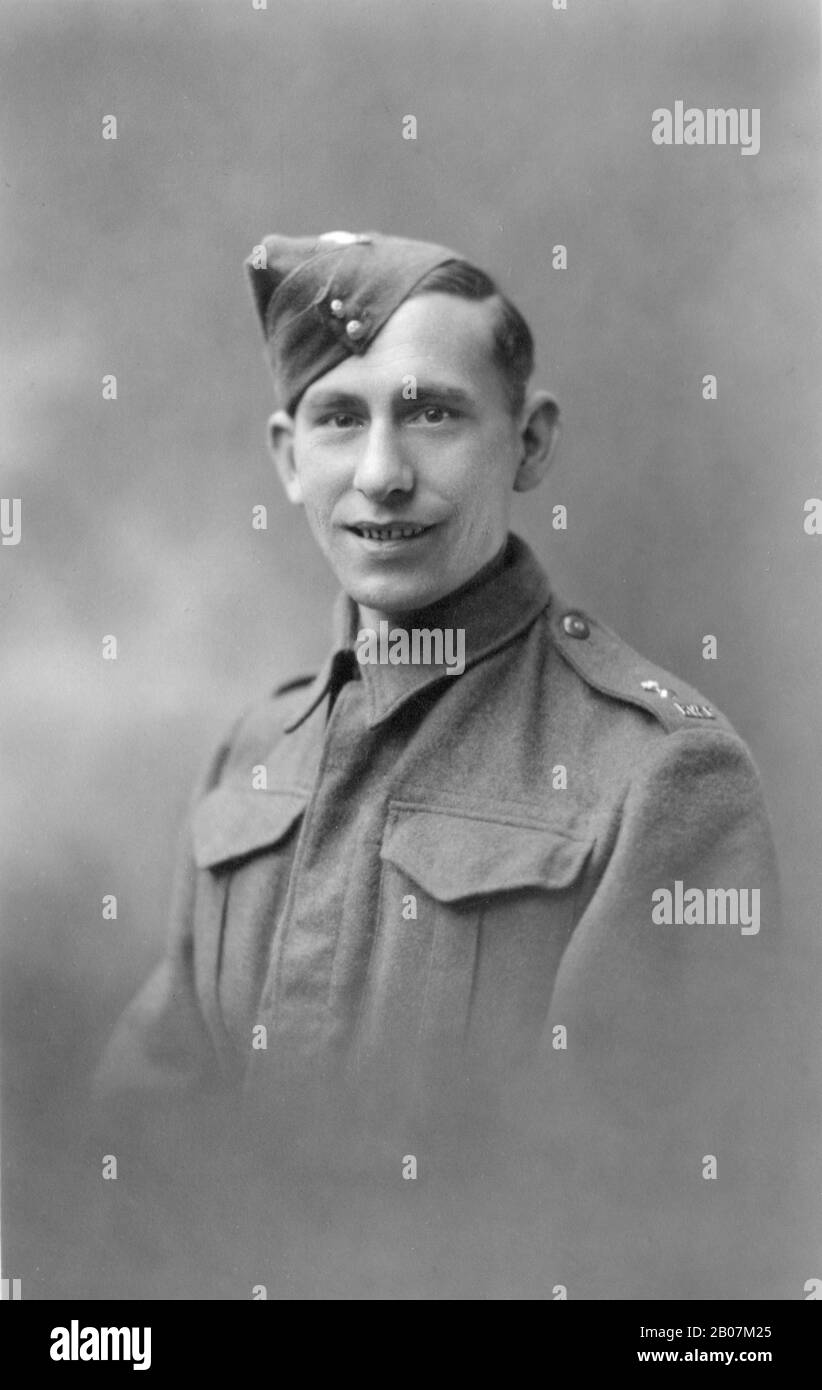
{"x":389,"y":533}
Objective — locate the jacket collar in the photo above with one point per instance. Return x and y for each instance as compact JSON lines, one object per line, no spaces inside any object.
{"x":493,"y":608}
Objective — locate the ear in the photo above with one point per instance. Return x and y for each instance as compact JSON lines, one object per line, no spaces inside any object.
{"x":281,"y":444}
{"x":539,"y":432}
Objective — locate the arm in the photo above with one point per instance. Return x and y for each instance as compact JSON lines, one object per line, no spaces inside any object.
{"x":161,"y":1045}
{"x":658,"y":1012}
{"x":675,"y":1052}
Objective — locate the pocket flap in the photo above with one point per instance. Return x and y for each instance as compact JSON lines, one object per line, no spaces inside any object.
{"x":231,"y":822}
{"x":453,"y":856}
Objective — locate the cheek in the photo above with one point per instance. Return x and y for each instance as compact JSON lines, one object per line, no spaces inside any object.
{"x":318,"y":489}
{"x":487,"y":486}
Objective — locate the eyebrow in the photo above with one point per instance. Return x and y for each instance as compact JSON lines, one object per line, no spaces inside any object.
{"x":426,"y":392}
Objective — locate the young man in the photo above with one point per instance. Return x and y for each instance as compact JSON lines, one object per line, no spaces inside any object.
{"x":488,"y":855}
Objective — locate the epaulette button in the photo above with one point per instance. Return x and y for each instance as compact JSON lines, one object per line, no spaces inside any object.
{"x":575,"y":625}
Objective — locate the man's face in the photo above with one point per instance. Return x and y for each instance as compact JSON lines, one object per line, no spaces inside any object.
{"x":409,"y":497}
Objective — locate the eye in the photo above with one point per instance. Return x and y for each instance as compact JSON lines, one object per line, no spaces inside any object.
{"x":435,"y":415}
{"x":338,"y":420}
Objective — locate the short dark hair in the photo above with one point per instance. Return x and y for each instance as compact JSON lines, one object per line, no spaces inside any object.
{"x":513,"y":343}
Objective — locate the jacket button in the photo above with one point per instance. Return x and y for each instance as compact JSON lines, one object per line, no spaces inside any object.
{"x":575,"y":625}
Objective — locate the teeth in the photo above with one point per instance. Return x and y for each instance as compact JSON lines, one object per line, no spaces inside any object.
{"x":390,"y":533}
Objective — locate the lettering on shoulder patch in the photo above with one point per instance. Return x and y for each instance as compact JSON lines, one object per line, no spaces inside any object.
{"x":690,"y":710}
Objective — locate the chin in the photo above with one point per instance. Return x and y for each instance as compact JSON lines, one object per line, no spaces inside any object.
{"x":394,"y":598}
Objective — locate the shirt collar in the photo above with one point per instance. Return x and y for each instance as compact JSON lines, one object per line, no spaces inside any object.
{"x":493,"y":608}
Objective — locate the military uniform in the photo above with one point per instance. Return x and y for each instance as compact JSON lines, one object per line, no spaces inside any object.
{"x":434,"y":873}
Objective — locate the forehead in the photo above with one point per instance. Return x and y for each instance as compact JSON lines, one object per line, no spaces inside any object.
{"x":441,"y":336}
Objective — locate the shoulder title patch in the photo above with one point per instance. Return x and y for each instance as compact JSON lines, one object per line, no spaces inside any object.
{"x":608,"y":664}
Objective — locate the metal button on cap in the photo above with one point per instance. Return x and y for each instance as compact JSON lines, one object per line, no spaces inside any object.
{"x":337,"y":308}
{"x":345,"y":238}
{"x":355,"y":329}
{"x":575,"y":625}
{"x":339,"y":238}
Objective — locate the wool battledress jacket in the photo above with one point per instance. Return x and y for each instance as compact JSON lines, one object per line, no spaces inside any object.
{"x":403,"y":880}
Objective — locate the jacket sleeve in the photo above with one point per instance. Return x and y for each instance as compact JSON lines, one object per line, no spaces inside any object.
{"x":663,"y":1013}
{"x":161,"y":1045}
{"x":658,"y":1133}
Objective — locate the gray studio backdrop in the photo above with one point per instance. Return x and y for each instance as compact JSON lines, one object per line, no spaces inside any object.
{"x":685,"y":517}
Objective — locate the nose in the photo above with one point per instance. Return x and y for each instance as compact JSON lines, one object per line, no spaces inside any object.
{"x":383,"y":467}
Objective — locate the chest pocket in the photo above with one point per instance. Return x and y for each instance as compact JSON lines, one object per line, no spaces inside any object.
{"x":473,"y":917}
{"x":233,"y":822}
{"x":246,"y":840}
